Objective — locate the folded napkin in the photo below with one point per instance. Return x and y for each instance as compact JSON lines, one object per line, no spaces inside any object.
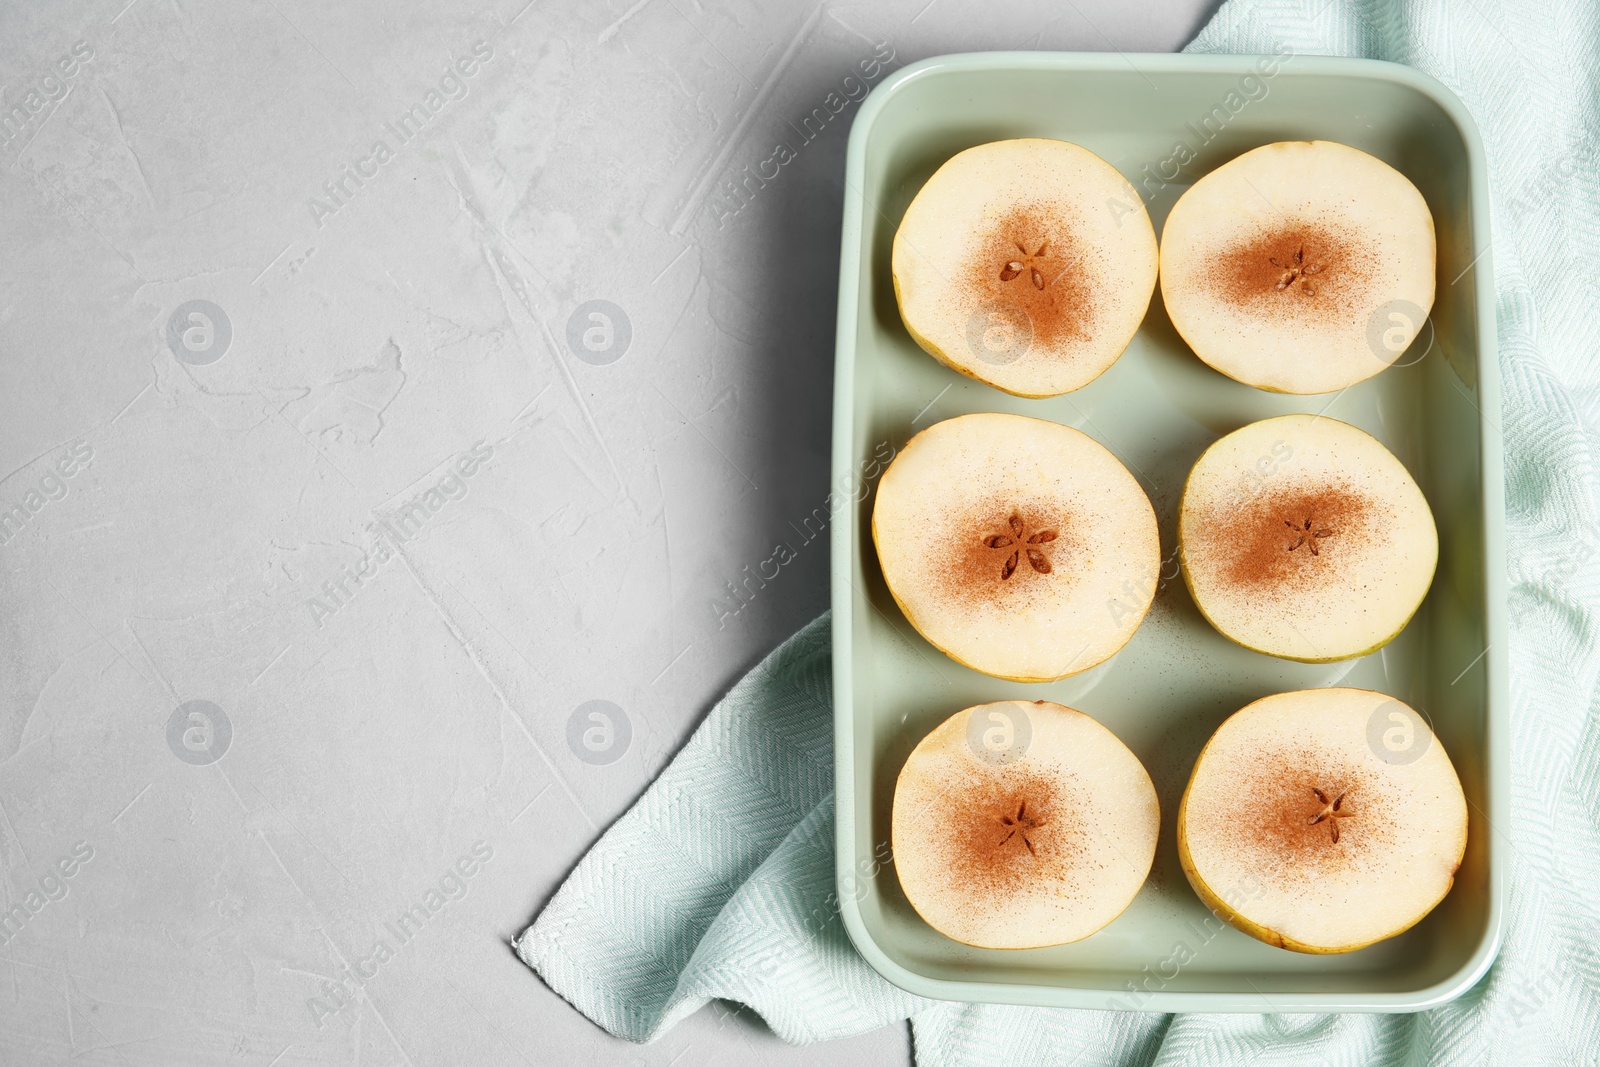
{"x":719,"y":882}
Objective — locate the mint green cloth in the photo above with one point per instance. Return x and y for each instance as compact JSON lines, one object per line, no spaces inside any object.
{"x":718,"y":883}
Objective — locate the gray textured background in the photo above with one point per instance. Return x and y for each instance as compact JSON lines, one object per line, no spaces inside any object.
{"x":198,"y":508}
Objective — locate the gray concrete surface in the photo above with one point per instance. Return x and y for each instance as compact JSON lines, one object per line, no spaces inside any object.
{"x":328,"y":508}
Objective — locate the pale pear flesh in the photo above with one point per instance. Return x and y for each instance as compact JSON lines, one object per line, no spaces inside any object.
{"x":1323,"y":820}
{"x":1019,"y":547}
{"x":1304,"y":537}
{"x":1027,"y":264}
{"x":1022,"y":824}
{"x":1300,"y":266}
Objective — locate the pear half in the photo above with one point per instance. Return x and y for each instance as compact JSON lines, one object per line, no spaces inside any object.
{"x":1027,"y":264}
{"x":1019,"y":547}
{"x":1021,"y":825}
{"x":1323,"y":820}
{"x":1299,"y":267}
{"x":1303,"y":537}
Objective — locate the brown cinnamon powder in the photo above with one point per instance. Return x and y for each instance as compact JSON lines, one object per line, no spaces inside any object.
{"x":1303,"y":814}
{"x":1296,"y":267}
{"x":1008,"y":826}
{"x":1290,"y":538}
{"x":1030,"y":260}
{"x":1000,"y":549}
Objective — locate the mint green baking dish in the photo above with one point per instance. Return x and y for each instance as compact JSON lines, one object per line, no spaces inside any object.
{"x":1157,"y":409}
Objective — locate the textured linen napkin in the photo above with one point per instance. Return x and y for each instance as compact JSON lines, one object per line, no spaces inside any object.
{"x":719,"y":882}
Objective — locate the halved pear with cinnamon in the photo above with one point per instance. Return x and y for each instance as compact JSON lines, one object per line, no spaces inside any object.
{"x":1303,"y":537}
{"x":1323,"y":820}
{"x":1299,"y":267}
{"x":1019,"y":547}
{"x":1021,"y":825}
{"x":1027,"y":264}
